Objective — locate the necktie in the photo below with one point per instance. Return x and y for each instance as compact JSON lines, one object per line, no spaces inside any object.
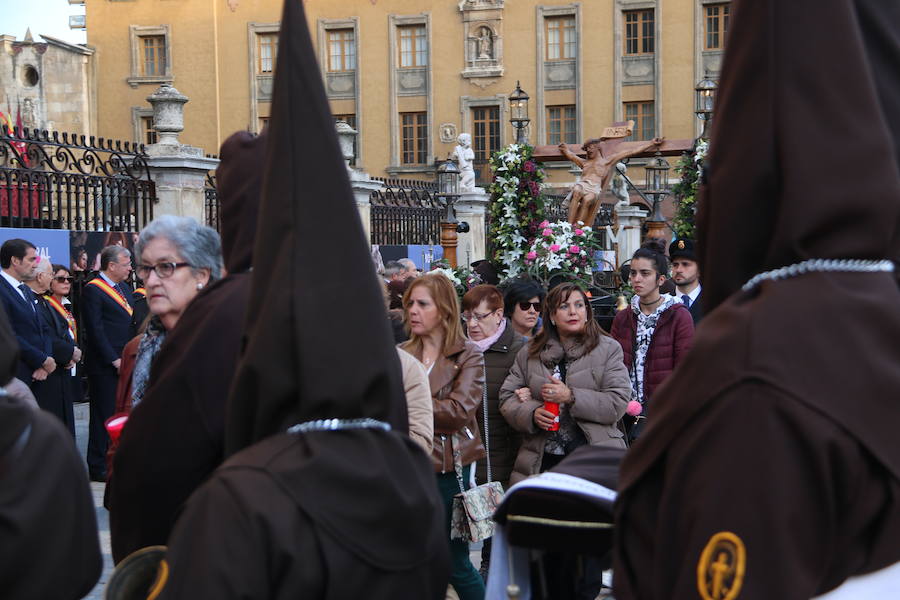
{"x":26,"y":292}
{"x":686,"y":299}
{"x":121,"y":293}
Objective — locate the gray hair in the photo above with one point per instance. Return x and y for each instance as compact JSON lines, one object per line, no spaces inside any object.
{"x":44,"y":265}
{"x":393,"y":267}
{"x":408,"y":264}
{"x":112,"y":254}
{"x":197,"y":244}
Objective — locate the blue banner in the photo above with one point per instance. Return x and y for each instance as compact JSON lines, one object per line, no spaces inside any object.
{"x":51,"y":244}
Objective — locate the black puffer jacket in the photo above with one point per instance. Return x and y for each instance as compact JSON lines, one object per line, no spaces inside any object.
{"x":504,"y":441}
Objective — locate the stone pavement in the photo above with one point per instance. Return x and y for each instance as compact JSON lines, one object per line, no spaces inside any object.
{"x":81,"y":436}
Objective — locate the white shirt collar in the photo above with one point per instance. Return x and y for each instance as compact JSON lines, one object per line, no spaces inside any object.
{"x":693,"y":295}
{"x":111,"y":283}
{"x":13,"y":282}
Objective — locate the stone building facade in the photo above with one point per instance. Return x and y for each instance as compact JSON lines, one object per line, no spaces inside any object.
{"x":51,"y":83}
{"x":410,"y":75}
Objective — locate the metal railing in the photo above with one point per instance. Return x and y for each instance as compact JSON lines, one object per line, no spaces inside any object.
{"x":68,"y":181}
{"x":405,"y":212}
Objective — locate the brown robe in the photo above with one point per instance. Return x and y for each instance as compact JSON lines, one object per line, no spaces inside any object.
{"x":770,"y":466}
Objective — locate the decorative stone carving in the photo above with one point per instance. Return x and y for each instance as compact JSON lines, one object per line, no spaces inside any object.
{"x":638,"y":70}
{"x":341,"y":85}
{"x":447,"y":132}
{"x":483,"y":83}
{"x":232,"y":4}
{"x":464,"y":157}
{"x":712,"y":62}
{"x":482,"y":24}
{"x":412,"y":82}
{"x":264,"y":85}
{"x":29,"y":114}
{"x":168,"y":113}
{"x":559,"y":74}
{"x":346,"y":137}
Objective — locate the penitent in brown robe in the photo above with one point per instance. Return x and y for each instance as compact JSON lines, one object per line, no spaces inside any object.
{"x":771,"y":467}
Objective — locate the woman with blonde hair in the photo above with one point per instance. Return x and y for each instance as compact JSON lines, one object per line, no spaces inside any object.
{"x":456,"y":375}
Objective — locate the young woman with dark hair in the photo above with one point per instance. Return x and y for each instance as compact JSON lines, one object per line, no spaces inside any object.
{"x":655,"y":332}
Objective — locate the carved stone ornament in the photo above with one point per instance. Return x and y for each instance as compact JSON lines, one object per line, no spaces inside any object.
{"x":232,"y":4}
{"x":412,"y":81}
{"x":483,"y":83}
{"x":448,"y":133}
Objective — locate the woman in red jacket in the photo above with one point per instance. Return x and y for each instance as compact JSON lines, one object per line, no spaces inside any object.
{"x":655,"y":332}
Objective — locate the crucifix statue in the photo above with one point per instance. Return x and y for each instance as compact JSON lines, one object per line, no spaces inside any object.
{"x":598,"y":167}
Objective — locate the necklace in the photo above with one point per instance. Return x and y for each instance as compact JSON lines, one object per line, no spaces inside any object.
{"x":821,"y":265}
{"x":657,"y":301}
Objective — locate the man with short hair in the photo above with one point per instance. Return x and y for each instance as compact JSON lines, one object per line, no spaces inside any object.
{"x":107,"y":310}
{"x":686,"y":275}
{"x":410,"y":266}
{"x":18,"y":259}
{"x":394,"y":271}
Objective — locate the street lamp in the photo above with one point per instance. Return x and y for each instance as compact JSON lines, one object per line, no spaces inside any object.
{"x":705,"y":93}
{"x":657,"y":187}
{"x":518,"y":113}
{"x":447,"y":176}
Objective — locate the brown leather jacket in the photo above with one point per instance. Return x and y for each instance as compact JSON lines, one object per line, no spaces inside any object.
{"x":456,"y":381}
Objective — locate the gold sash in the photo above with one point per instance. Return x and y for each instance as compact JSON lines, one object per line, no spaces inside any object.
{"x":73,"y":329}
{"x":112,"y":294}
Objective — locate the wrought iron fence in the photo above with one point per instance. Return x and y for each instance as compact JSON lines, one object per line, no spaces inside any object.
{"x":53,"y":181}
{"x":405,"y":211}
{"x":211,"y":203}
{"x":557,"y":209}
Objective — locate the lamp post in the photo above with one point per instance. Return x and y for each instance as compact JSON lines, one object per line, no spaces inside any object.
{"x":448,"y":193}
{"x":705,"y":93}
{"x":657,"y":187}
{"x":518,"y":113}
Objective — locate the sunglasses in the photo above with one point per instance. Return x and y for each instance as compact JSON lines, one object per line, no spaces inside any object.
{"x":62,"y":279}
{"x":526,"y":305}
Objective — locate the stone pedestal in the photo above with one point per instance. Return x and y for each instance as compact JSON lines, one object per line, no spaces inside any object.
{"x":471,"y":208}
{"x":363,"y":186}
{"x":178,"y":170}
{"x":628,"y":237}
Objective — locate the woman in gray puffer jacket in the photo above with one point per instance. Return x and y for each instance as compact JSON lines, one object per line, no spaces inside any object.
{"x":572,"y":363}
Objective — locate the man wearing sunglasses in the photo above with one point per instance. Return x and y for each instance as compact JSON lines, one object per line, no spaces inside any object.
{"x":107,"y":309}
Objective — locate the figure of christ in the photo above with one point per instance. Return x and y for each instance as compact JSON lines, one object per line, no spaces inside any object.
{"x":596,"y":171}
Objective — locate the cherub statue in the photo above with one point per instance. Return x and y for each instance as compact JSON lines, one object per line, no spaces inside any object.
{"x":465,"y":156}
{"x":584,"y":199}
{"x":617,"y":186}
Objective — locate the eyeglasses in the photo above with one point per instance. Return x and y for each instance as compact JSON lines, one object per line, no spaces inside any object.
{"x":162,"y":270}
{"x":526,"y":305}
{"x":63,"y":279}
{"x":475,"y":317}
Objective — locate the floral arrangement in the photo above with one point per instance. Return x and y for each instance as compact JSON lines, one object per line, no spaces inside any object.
{"x":690,"y":167}
{"x":562,"y":249}
{"x":517,"y":207}
{"x":463,"y":278}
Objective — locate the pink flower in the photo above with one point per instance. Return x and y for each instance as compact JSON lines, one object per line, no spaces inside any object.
{"x":529,"y":166}
{"x":531,"y":255}
{"x":545,"y":224}
{"x":634,"y":408}
{"x":573,"y":249}
{"x":554,"y":248}
{"x":579,"y":232}
{"x":547,"y":232}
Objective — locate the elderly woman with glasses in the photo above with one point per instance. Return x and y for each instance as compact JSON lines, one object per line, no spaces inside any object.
{"x":176,"y":258}
{"x":495,"y":336}
{"x":522,"y":306}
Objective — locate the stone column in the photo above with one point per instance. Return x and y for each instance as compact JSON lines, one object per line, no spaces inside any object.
{"x":360,"y":182}
{"x":629,"y":234}
{"x":178,"y":170}
{"x":471,"y":208}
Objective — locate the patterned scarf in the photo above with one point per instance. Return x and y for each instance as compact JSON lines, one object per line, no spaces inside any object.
{"x":147,"y":349}
{"x":646,"y":325}
{"x":487,"y":342}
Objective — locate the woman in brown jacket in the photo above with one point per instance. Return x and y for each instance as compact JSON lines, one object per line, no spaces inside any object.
{"x":456,"y":374}
{"x":572,"y":362}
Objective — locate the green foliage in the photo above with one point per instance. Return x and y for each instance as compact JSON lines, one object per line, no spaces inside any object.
{"x":690,"y":167}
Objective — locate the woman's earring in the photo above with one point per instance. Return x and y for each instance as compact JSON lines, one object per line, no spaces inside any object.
{"x":199,"y":286}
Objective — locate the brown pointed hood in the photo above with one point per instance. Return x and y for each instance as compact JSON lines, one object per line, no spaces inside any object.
{"x":803,"y":164}
{"x":803,"y":158}
{"x":239,"y":179}
{"x":318,"y":344}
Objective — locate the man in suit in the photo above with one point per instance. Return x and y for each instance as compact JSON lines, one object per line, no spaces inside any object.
{"x":18,"y":259}
{"x":107,"y":311}
{"x":686,"y":275}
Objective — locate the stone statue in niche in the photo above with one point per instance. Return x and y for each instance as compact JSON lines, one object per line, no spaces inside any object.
{"x":485,"y":43}
{"x":465,"y":157}
{"x":29,"y":115}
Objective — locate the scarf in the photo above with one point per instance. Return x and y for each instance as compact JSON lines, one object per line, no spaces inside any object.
{"x":646,"y":326}
{"x":487,"y":342}
{"x":147,"y":349}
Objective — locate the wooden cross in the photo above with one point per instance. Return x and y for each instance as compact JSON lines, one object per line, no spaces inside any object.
{"x":612,"y":143}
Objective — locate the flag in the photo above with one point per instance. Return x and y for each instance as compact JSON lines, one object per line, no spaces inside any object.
{"x":20,"y":146}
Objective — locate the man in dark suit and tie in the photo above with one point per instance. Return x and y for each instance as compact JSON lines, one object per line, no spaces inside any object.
{"x":18,"y":259}
{"x":106,"y":310}
{"x":686,"y":275}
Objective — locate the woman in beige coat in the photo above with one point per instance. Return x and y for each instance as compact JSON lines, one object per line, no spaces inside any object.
{"x":571,"y":363}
